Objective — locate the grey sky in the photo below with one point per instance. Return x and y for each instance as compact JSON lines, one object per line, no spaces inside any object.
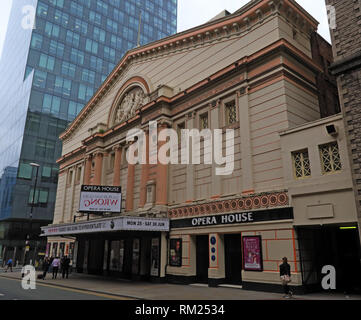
{"x":195,"y":12}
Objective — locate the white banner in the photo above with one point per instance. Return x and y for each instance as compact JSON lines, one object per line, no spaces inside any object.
{"x":108,"y":225}
{"x":100,"y":199}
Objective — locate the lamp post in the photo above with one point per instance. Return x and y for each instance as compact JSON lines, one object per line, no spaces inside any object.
{"x":27,"y":243}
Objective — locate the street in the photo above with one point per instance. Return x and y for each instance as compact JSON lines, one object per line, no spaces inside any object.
{"x":11,"y":289}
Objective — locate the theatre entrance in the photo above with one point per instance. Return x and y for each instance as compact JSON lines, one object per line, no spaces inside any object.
{"x":233,"y":258}
{"x":202,"y":260}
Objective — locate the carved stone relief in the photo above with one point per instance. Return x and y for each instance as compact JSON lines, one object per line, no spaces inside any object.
{"x":128,"y":106}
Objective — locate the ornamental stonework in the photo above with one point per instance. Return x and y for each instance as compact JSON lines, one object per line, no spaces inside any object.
{"x":224,"y":206}
{"x":129,"y":105}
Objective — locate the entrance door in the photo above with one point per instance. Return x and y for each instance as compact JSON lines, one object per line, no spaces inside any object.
{"x":202,"y":258}
{"x":233,"y":258}
{"x":96,"y":257}
{"x":330,"y":245}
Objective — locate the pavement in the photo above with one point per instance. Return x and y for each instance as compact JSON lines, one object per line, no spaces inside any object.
{"x":123,"y":289}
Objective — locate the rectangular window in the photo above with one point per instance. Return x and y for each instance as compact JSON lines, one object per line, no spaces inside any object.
{"x":78,"y":175}
{"x":61,"y":18}
{"x":231,"y":113}
{"x":301,"y":164}
{"x":81,"y":26}
{"x":52,"y":30}
{"x":46,"y":62}
{"x":40,"y":197}
{"x":57,"y":3}
{"x":56,"y":48}
{"x":330,"y":158}
{"x":77,"y":56}
{"x":203,"y":119}
{"x":25,"y":170}
{"x":91,"y":46}
{"x":42,"y":9}
{"x":51,"y":104}
{"x":76,"y":9}
{"x":72,"y":38}
{"x":68,"y":69}
{"x":36,"y":41}
{"x":85,"y":93}
{"x":40,"y":79}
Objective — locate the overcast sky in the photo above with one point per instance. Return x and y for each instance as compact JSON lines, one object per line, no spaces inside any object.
{"x":195,"y":12}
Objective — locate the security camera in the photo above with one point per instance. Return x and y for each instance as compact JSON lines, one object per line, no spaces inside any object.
{"x":332,"y":130}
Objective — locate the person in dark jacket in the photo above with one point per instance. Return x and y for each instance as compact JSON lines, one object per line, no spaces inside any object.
{"x":285,"y":274}
{"x":46,"y":265}
{"x":65,"y":266}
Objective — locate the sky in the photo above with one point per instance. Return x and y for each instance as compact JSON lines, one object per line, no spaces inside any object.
{"x":192,"y":13}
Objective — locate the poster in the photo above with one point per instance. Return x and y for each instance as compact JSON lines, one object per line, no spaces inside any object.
{"x":252,"y":253}
{"x":154,"y":269}
{"x":175,"y":255}
{"x":47,"y":252}
{"x":55,"y":250}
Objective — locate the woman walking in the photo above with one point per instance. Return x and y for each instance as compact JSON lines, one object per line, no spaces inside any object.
{"x":285,"y":273}
{"x":55,"y":265}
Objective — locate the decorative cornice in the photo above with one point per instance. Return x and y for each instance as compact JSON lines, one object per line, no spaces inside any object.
{"x":254,"y":202}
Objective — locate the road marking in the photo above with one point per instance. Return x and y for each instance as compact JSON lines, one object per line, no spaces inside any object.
{"x":104,"y":295}
{"x":1,"y":294}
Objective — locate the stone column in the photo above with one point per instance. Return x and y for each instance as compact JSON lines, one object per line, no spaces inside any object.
{"x":216,"y":185}
{"x":144,"y":177}
{"x":117,"y":165}
{"x":129,"y":203}
{"x":246,"y":146}
{"x":87,"y":171}
{"x":190,"y":169}
{"x":162,"y":177}
{"x":98,"y":169}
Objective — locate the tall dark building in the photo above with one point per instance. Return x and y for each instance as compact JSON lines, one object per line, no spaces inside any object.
{"x":48,"y":71}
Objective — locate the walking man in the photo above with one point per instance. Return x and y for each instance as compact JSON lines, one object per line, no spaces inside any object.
{"x":46,"y":265}
{"x":65,"y":266}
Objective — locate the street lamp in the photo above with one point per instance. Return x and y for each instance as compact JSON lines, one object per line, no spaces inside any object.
{"x":27,"y":243}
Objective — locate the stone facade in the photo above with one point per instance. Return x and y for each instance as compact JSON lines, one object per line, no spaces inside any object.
{"x":346,"y":41}
{"x":255,"y":72}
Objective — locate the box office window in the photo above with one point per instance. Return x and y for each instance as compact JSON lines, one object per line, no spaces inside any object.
{"x":116,"y":256}
{"x":175,"y":255}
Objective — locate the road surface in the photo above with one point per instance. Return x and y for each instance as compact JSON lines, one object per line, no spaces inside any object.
{"x":11,"y":289}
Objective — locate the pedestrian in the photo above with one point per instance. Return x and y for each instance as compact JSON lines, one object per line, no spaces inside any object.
{"x":9,"y":264}
{"x":285,"y":273}
{"x":55,"y":264}
{"x":65,"y":266}
{"x":46,"y":265}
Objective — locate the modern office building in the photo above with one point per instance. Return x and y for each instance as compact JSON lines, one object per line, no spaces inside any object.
{"x":260,"y":73}
{"x":56,"y":54}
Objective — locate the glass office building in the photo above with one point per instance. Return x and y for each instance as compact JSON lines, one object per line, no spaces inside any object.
{"x":56,"y":54}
